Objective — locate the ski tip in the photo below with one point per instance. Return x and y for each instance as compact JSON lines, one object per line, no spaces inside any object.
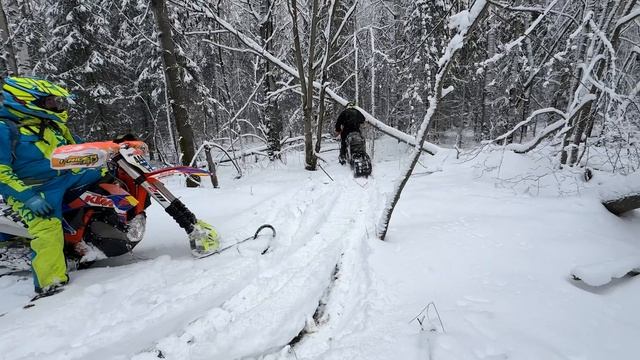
{"x":201,"y":253}
{"x":265,"y":226}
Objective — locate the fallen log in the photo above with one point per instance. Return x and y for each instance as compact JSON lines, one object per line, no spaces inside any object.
{"x":623,"y":204}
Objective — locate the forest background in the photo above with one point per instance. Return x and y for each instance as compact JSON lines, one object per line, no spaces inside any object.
{"x":254,"y":75}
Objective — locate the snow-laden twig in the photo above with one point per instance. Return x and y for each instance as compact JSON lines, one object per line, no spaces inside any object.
{"x":550,"y":129}
{"x":532,"y":9}
{"x":527,"y":121}
{"x":226,"y":47}
{"x":517,"y":42}
{"x":425,"y":310}
{"x":345,"y":19}
{"x":603,"y":37}
{"x":209,"y":144}
{"x":549,"y":57}
{"x":629,"y":17}
{"x":323,"y":170}
{"x":244,"y":106}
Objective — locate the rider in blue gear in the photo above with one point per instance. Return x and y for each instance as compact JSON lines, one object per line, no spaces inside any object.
{"x":33,"y":120}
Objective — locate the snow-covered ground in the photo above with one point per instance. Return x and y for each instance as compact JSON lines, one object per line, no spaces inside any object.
{"x":477,"y":252}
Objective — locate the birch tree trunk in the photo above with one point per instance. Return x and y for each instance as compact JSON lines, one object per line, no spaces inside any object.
{"x":175,"y":84}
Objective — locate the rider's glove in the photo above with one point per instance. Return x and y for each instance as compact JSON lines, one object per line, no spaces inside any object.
{"x":39,"y":206}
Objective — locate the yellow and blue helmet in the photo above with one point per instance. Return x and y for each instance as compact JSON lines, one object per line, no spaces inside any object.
{"x":26,"y":97}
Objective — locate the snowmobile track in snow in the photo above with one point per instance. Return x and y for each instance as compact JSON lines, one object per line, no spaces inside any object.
{"x":275,"y":307}
{"x":219,"y":302}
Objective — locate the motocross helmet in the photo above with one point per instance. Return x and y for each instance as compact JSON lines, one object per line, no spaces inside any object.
{"x":26,"y":97}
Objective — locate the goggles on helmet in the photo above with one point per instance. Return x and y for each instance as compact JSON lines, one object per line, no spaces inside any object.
{"x":54,"y":103}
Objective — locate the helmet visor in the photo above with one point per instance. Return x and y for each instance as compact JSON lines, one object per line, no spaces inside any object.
{"x":54,"y":103}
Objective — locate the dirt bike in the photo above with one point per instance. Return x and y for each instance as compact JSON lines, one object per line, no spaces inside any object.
{"x":108,"y":218}
{"x":357,"y":156}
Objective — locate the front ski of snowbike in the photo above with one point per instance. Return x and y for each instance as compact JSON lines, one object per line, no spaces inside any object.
{"x":203,"y":238}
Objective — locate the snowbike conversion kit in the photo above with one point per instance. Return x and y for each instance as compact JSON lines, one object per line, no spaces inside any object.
{"x":238,"y":242}
{"x":357,"y":156}
{"x":108,"y":219}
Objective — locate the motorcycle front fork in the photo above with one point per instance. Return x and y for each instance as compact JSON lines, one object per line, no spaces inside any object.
{"x":172,"y":205}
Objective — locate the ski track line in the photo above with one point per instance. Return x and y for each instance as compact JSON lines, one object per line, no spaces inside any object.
{"x":275,"y":200}
{"x":347,"y":304}
{"x":118,"y":314}
{"x":181,"y":289}
{"x":291,"y":208}
{"x":275,"y":307}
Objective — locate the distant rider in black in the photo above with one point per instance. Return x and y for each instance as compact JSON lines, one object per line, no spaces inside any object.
{"x":348,"y":121}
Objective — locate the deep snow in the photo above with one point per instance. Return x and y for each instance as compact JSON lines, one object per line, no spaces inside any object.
{"x":491,"y":248}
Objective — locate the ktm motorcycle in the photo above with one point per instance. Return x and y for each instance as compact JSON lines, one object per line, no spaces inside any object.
{"x":108,"y":218}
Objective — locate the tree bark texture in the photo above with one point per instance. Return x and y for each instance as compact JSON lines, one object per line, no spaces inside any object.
{"x":310,"y":158}
{"x":175,"y":84}
{"x":622,"y":205}
{"x":272,"y":119}
{"x":8,"y":52}
{"x":304,"y":95}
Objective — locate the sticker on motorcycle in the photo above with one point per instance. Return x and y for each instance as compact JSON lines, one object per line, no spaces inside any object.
{"x":120,"y":203}
{"x":93,"y":199}
{"x":83,"y":159}
{"x":91,"y":155}
{"x":87,"y":160}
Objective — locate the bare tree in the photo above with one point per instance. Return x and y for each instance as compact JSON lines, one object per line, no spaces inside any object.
{"x":175,"y":83}
{"x":306,"y":81}
{"x":272,"y":118}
